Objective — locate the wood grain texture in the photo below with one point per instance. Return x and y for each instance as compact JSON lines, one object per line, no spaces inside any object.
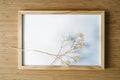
{"x":9,"y":37}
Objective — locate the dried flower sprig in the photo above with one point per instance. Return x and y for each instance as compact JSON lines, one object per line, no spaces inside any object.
{"x":40,"y":52}
{"x":77,"y":43}
{"x":73,"y":42}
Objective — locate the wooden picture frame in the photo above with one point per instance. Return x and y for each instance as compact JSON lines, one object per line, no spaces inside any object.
{"x":21,"y":41}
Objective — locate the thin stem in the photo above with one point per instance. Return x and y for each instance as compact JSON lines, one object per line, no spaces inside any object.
{"x":64,"y":53}
{"x":70,"y":57}
{"x":34,"y":50}
{"x":69,"y":50}
{"x":62,"y":61}
{"x":45,"y":52}
{"x":58,"y":53}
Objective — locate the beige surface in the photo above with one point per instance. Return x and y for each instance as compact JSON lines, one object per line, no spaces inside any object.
{"x":8,"y":37}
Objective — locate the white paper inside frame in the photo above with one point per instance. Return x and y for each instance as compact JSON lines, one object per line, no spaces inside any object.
{"x":47,"y":32}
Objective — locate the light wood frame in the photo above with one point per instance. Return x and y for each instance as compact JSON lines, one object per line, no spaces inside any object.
{"x":20,"y":54}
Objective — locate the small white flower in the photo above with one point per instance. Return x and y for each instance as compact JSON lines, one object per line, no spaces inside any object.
{"x":65,"y":63}
{"x":76,"y":58}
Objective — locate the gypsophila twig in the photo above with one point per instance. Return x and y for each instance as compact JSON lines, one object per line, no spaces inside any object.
{"x":75,"y":42}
